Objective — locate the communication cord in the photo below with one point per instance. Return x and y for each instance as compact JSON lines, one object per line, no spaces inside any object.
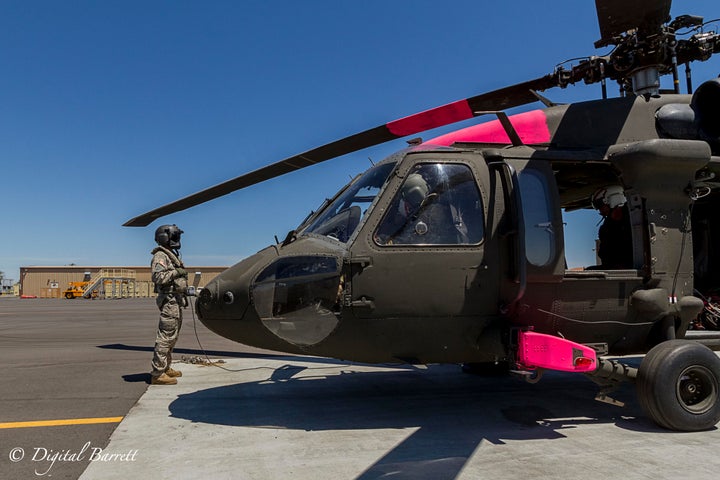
{"x":686,"y":229}
{"x":202,"y":349}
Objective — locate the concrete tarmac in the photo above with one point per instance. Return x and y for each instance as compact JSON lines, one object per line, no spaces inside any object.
{"x":289,"y":417}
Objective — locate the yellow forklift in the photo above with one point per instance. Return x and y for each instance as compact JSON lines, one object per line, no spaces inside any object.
{"x":77,"y":289}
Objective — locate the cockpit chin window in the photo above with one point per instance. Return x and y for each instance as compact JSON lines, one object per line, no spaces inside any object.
{"x":342,"y":217}
{"x":299,"y":298}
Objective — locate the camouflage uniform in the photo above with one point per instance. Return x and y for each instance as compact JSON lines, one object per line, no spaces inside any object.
{"x":171,"y":299}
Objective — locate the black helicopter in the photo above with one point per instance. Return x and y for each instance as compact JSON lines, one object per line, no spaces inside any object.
{"x":452,"y":250}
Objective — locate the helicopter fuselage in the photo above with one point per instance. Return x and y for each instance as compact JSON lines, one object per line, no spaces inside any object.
{"x":441,"y":253}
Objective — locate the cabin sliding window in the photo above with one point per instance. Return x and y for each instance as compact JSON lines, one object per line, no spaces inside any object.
{"x":437,"y":204}
{"x":537,"y":215}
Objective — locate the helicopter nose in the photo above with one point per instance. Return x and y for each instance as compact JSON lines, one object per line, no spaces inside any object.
{"x":213,"y":300}
{"x":269,"y":300}
{"x":221,"y":304}
{"x":224,"y":304}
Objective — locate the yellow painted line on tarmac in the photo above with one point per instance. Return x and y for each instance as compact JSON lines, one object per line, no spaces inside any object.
{"x":59,"y":423}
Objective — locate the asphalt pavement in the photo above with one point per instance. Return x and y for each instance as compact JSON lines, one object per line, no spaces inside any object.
{"x":65,"y":362}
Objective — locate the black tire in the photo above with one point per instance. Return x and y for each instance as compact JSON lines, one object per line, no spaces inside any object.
{"x":69,"y":296}
{"x":678,"y":386}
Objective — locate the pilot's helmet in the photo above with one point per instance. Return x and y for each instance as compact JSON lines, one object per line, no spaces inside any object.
{"x":414,"y":190}
{"x":168,"y":236}
{"x":613,"y":196}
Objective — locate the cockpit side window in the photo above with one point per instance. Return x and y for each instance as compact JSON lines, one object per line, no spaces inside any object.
{"x":437,"y":204}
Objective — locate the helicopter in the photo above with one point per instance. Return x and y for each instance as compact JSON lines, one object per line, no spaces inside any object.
{"x":452,"y":250}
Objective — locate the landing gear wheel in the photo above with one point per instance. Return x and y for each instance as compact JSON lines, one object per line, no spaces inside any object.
{"x":678,"y":386}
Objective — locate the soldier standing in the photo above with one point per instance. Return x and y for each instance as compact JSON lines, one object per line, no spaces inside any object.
{"x":170,"y":279}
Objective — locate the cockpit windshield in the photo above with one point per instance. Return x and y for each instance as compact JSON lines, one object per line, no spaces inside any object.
{"x":340,"y":219}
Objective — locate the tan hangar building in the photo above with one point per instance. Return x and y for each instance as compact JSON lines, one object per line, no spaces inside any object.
{"x":70,"y":281}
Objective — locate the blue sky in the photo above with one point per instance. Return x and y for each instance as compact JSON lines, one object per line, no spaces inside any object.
{"x":111,"y":108}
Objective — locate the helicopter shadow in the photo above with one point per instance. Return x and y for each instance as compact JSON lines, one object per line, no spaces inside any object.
{"x":452,"y":412}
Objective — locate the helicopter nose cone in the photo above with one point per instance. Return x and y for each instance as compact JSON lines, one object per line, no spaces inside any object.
{"x":220,"y":305}
{"x":223,"y":306}
{"x":277,"y":301}
{"x":213,"y":295}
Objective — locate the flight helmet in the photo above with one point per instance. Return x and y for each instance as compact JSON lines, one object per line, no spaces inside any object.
{"x":168,"y":236}
{"x":414,"y":190}
{"x":613,"y":196}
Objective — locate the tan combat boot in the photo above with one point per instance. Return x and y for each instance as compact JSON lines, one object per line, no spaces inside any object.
{"x":163,"y":379}
{"x":173,"y":373}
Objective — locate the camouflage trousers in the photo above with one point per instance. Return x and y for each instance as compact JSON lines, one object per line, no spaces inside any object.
{"x":167,"y":333}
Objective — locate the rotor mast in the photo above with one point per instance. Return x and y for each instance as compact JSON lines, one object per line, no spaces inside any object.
{"x":646,"y":47}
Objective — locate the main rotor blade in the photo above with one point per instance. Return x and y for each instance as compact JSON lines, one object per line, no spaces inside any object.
{"x":619,"y":16}
{"x":501,"y":99}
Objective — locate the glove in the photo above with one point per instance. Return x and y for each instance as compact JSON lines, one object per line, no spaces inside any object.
{"x":180,"y":272}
